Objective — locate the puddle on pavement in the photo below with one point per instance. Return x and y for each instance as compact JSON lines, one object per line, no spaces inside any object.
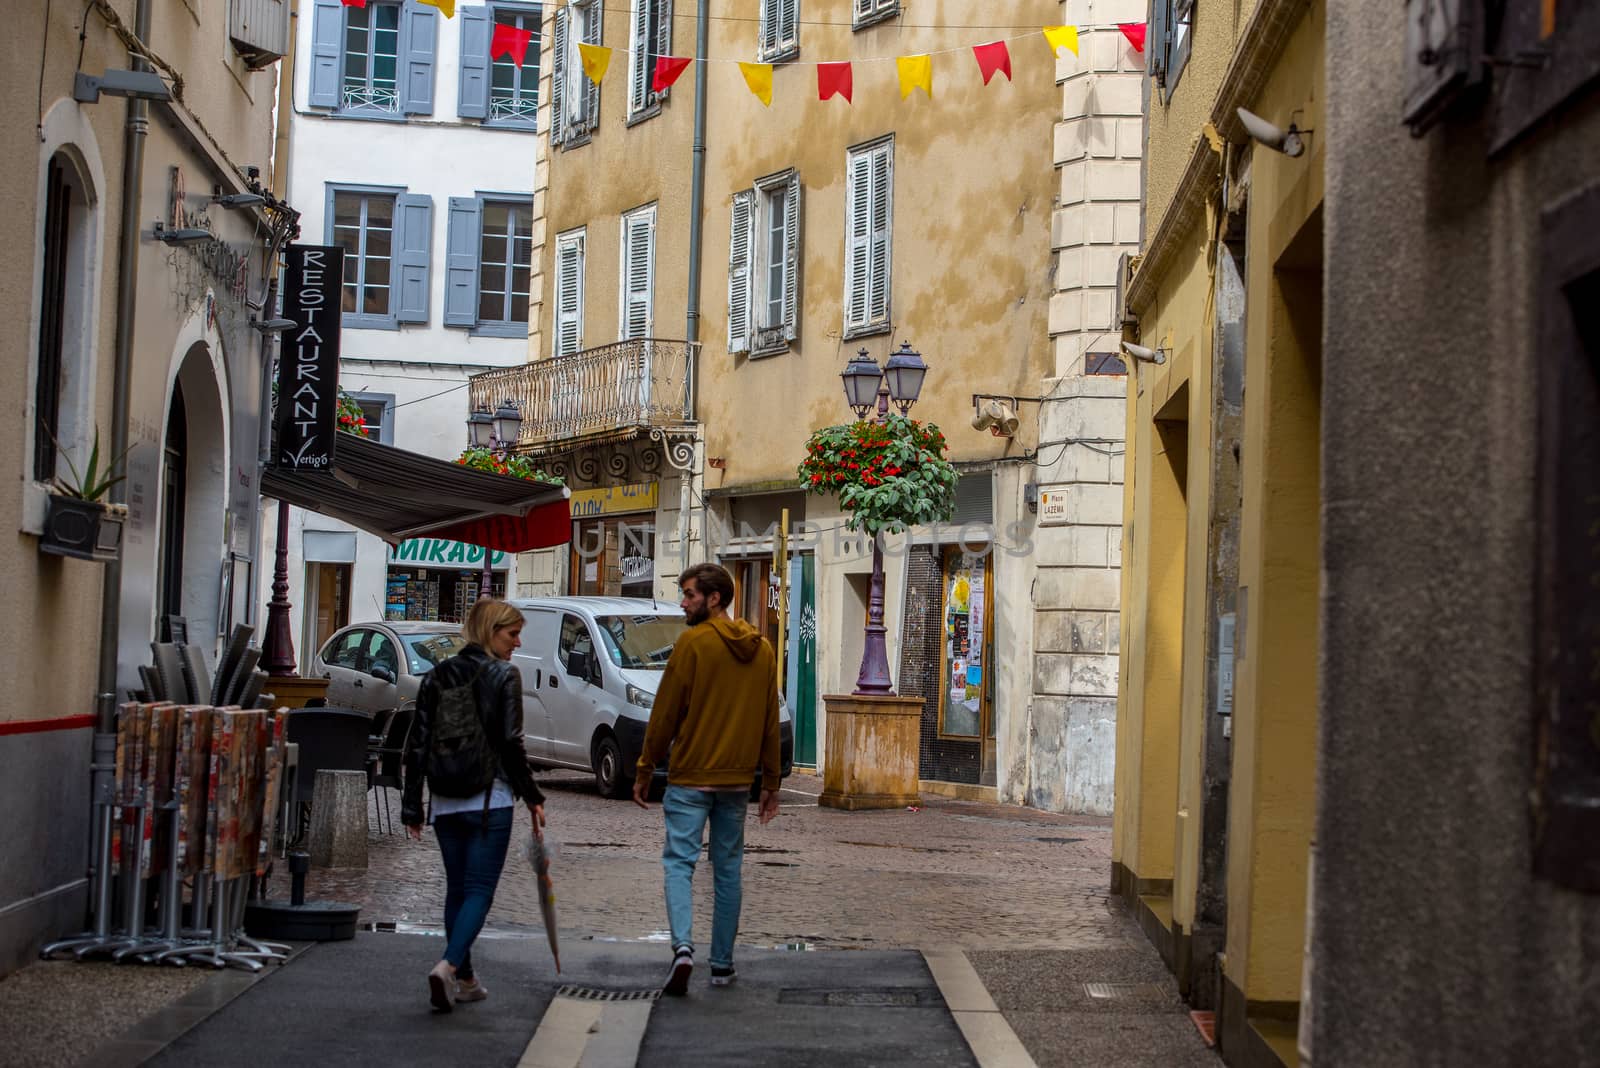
{"x":1058,"y":841}
{"x":898,"y":845}
{"x":777,"y":864}
{"x":594,"y":845}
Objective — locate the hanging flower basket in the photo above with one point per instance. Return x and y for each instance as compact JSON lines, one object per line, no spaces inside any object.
{"x":890,"y":475}
{"x":510,"y":466}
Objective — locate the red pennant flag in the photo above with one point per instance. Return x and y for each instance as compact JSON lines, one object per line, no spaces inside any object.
{"x":992,"y":57}
{"x":1134,"y":32}
{"x":508,"y":40}
{"x":355,"y":3}
{"x":667,"y":70}
{"x":835,"y":78}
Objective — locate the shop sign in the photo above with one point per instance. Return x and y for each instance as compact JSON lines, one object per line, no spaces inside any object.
{"x":638,"y":568}
{"x":614,"y":500}
{"x":308,"y":365}
{"x":1053,"y":506}
{"x":437,"y":552}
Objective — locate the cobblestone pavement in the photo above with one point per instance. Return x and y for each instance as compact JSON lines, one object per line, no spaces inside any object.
{"x":953,"y":873}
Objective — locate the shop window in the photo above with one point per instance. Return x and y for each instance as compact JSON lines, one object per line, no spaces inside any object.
{"x":613,"y":557}
{"x":964,"y":702}
{"x":755,"y":595}
{"x":386,"y":234}
{"x":489,"y":265}
{"x":375,"y":60}
{"x":494,"y":88}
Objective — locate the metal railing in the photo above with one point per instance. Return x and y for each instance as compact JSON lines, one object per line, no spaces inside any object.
{"x":638,"y":383}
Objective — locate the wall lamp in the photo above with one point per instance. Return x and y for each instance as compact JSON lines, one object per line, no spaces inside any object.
{"x":139,"y":84}
{"x":183,"y":235}
{"x":1139,"y":352}
{"x":272,"y":326}
{"x":1289,"y":141}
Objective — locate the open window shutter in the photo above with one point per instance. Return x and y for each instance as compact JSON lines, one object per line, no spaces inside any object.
{"x":788,"y":23}
{"x":638,"y":275}
{"x":858,"y":240}
{"x":476,"y":28}
{"x":421,"y":48}
{"x":769,"y":26}
{"x":639,"y":57}
{"x":741,"y":237}
{"x":1156,"y":47}
{"x":882,"y":219}
{"x":569,"y":295}
{"x":413,"y":240}
{"x":791,"y":259}
{"x":558,"y":76}
{"x":461,"y":262}
{"x":593,"y":33}
{"x":327,"y":35}
{"x":663,"y":41}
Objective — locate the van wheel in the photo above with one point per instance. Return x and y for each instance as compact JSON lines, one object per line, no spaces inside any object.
{"x":608,"y":777}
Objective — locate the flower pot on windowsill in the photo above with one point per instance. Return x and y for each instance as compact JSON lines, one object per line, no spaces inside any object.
{"x":88,"y":530}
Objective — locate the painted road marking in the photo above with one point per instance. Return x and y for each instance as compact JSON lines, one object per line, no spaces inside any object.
{"x":993,"y":1042}
{"x":578,"y":1033}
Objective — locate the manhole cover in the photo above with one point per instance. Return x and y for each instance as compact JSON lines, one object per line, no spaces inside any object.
{"x":1059,"y":841}
{"x":891,"y":998}
{"x":589,"y":993}
{"x":1146,"y":991}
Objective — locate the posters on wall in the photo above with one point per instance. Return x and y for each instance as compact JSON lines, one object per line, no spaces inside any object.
{"x":964,"y":643}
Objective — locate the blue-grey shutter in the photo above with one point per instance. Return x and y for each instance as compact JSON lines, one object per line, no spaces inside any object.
{"x":413,"y":242}
{"x":421,"y":39}
{"x":461,"y":262}
{"x":477,"y":30}
{"x":327,"y":39}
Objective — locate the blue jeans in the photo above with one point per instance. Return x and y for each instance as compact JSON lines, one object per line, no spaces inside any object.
{"x":473,"y":856}
{"x":687,"y":812}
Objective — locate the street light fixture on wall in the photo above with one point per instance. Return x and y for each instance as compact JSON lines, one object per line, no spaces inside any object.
{"x":496,"y":432}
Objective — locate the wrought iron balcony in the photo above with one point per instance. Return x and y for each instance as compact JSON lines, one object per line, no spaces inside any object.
{"x":642,"y":383}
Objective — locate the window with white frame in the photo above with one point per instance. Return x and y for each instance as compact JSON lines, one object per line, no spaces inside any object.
{"x":764,"y":266}
{"x":377,"y":409}
{"x":61,"y":373}
{"x":650,"y":39}
{"x":386,"y":234}
{"x":872,"y":12}
{"x":780,"y":30}
{"x":636,"y":311}
{"x":869,"y":219}
{"x":574,"y":99}
{"x":568,"y":333}
{"x":373,"y":60}
{"x":489,"y":264}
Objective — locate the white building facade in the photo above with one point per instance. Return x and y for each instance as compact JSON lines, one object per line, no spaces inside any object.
{"x":413,"y":149}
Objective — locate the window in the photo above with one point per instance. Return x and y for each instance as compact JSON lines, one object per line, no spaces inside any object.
{"x":378,"y":410}
{"x":869,"y":215}
{"x":764,"y":266}
{"x":569,"y":292}
{"x":1174,"y":23}
{"x":52,"y":320}
{"x":574,"y":99}
{"x":387,"y":235}
{"x":651,"y":37}
{"x":964,"y":710}
{"x":635,"y":316}
{"x":872,"y":12}
{"x":575,"y":637}
{"x":376,"y":60}
{"x":348,"y":651}
{"x":494,"y":88}
{"x":780,"y":30}
{"x":1103,"y":363}
{"x":488,"y":264}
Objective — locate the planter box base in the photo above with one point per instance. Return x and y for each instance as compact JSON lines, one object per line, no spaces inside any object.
{"x":873,"y":750}
{"x":860,"y":802}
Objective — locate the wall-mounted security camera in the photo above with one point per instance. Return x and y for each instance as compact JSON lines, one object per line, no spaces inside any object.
{"x":1274,"y":137}
{"x":997,"y":417}
{"x":1139,"y":352}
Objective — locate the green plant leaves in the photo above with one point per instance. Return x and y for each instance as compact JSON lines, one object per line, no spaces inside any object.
{"x":887,"y":475}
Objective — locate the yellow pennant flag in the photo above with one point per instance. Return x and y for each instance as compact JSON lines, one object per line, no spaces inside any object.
{"x":916,"y":72}
{"x":758,"y":76}
{"x":447,"y":6}
{"x":1060,"y":37}
{"x":595,"y":60}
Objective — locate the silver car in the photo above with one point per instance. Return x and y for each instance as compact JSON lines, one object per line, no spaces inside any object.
{"x":376,"y":667}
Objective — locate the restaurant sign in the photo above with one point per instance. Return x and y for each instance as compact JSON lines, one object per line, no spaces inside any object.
{"x":615,"y":500}
{"x":308,"y":362}
{"x":449,"y":555}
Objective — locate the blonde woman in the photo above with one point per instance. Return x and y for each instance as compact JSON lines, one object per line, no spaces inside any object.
{"x":467,"y":744}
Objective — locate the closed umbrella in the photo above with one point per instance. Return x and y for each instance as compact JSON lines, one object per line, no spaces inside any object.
{"x":539,"y":858}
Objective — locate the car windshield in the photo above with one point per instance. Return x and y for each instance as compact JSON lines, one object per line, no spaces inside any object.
{"x":426,"y":650}
{"x":640,"y":642}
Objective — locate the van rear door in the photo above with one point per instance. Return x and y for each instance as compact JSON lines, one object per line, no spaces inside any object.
{"x":534,"y":660}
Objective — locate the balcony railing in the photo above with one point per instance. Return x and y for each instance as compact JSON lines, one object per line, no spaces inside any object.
{"x":640,"y":383}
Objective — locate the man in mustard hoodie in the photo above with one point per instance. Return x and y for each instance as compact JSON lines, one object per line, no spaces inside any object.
{"x":717,"y":711}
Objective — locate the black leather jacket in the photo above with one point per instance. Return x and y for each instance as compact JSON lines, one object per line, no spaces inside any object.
{"x":499,"y":693}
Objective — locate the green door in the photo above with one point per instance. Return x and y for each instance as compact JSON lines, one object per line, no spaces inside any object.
{"x":800,"y":688}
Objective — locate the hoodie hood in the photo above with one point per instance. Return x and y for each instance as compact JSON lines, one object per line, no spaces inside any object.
{"x":741,"y":638}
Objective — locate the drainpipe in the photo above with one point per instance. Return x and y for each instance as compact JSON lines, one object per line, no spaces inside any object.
{"x":697,"y":203}
{"x":135,"y":131}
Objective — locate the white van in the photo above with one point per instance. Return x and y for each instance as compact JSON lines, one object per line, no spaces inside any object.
{"x":589,"y":712}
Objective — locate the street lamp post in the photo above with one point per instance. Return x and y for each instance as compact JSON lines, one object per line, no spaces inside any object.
{"x":866,"y":385}
{"x":497,"y":433}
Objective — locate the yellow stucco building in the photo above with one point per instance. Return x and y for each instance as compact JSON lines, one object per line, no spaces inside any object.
{"x":1217,"y":717}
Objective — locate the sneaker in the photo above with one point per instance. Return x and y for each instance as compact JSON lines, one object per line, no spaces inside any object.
{"x":441,"y":987}
{"x":677,"y":983}
{"x":721,"y":976}
{"x":470,"y":991}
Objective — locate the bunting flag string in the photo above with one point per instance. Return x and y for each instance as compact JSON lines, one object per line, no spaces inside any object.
{"x":1134,"y":32}
{"x":448,"y":7}
{"x":916,"y":72}
{"x":596,"y":59}
{"x":758,"y":76}
{"x":1059,"y":37}
{"x":667,"y":70}
{"x":835,"y":79}
{"x":993,"y":57}
{"x":354,"y":3}
{"x":510,"y":41}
